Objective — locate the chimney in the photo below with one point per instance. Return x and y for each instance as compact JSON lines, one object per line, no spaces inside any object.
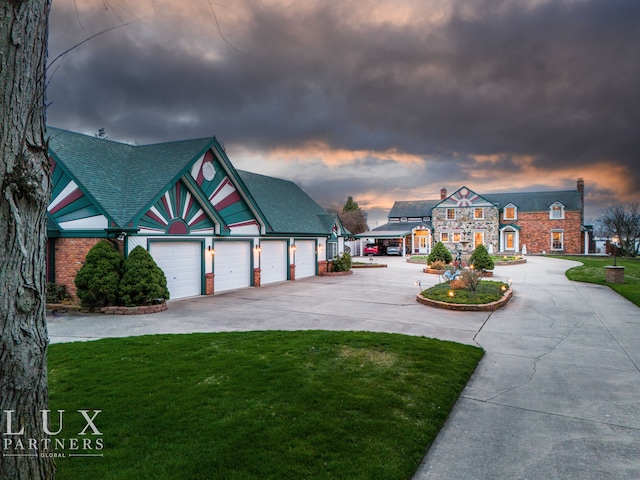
{"x":443,"y":193}
{"x":581,"y":191}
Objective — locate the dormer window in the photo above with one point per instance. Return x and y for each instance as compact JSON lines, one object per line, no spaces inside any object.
{"x":556,"y":211}
{"x":510,"y":212}
{"x":403,"y":219}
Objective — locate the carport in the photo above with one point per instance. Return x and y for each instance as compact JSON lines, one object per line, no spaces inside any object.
{"x":419,"y":233}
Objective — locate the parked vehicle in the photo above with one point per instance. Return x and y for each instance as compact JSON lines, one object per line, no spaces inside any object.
{"x":394,"y":249}
{"x":371,"y":249}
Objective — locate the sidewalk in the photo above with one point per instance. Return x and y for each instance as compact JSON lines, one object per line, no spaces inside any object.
{"x":556,"y":395}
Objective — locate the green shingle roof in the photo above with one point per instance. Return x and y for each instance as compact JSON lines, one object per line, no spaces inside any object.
{"x":537,"y":201}
{"x":286,"y":207}
{"x":123,"y":178}
{"x":412,"y":208}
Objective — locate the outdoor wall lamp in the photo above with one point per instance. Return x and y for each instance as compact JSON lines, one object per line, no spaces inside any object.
{"x":293,"y":253}
{"x":211,"y":251}
{"x":258,"y":249}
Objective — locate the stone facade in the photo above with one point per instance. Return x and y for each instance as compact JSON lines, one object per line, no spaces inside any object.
{"x":467,"y":227}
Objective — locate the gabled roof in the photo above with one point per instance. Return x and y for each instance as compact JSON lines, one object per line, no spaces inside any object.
{"x":122,"y":178}
{"x":412,"y":208}
{"x":286,"y":207}
{"x":537,"y":201}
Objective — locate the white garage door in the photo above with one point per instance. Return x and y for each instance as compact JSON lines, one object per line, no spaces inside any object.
{"x":273,"y":261}
{"x":232,"y":265}
{"x":305,"y":258}
{"x":181,"y":263}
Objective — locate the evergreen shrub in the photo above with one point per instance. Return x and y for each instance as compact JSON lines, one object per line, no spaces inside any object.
{"x":480,"y":259}
{"x":439,"y":252}
{"x":342,"y":263}
{"x":98,"y":279}
{"x":143,"y":282}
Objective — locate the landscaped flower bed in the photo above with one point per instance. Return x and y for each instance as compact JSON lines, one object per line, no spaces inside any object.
{"x":488,"y":296}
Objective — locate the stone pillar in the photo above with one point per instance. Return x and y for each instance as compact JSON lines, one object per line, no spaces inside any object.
{"x":614,"y":274}
{"x":209,"y":285}
{"x":292,"y":272}
{"x":256,"y":277}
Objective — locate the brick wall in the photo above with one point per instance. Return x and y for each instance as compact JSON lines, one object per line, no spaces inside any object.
{"x":536,"y":230}
{"x":69,"y":257}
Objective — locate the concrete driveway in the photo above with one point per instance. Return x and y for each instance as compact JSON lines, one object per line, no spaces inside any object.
{"x":555,"y":397}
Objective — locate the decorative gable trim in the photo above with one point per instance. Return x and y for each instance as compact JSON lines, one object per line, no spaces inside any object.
{"x":176,"y":212}
{"x":464,"y":197}
{"x":226,"y":192}
{"x":71,"y":207}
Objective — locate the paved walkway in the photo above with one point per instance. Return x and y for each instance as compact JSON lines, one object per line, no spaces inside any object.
{"x":556,"y":395}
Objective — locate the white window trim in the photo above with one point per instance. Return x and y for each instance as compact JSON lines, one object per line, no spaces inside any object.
{"x":446,"y":214}
{"x":442,"y":235}
{"x":515,"y":212}
{"x":552,"y":209}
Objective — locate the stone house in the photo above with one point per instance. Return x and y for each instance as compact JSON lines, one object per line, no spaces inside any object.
{"x":210,"y":227}
{"x":531,"y":222}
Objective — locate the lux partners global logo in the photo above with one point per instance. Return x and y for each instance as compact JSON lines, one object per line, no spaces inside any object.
{"x":88,"y":442}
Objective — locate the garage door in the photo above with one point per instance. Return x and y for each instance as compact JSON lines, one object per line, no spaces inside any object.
{"x":181,"y":263}
{"x":273,"y":261}
{"x":232,"y":265}
{"x":305,"y":258}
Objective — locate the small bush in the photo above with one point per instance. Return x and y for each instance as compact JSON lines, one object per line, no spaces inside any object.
{"x":471,"y":279}
{"x":439,"y":252}
{"x":56,"y":293}
{"x":480,"y":259}
{"x":438,"y":265}
{"x":342,"y":263}
{"x":98,"y":279}
{"x":143,"y":282}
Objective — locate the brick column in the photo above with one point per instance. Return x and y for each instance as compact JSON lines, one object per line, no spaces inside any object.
{"x":256,"y":277}
{"x":292,"y":272}
{"x":322,"y":267}
{"x":209,"y":284}
{"x":614,"y":274}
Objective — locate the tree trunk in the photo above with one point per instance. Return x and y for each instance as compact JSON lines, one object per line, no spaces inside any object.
{"x":24,"y":194}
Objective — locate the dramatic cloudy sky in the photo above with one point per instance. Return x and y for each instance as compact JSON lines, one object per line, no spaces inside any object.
{"x":379,"y":99}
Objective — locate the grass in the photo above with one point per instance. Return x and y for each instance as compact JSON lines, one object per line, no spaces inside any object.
{"x":258,"y":405}
{"x":593,"y":271}
{"x":486,"y":292}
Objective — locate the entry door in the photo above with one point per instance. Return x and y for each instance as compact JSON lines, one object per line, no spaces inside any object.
{"x":478,"y":239}
{"x":510,"y":240}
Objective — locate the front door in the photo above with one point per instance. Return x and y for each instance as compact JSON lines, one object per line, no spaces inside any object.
{"x":509,"y":241}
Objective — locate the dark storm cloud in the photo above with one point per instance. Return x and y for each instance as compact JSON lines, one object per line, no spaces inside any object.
{"x":556,"y":82}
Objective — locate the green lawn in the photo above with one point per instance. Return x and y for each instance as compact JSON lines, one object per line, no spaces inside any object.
{"x":593,"y":271}
{"x":258,"y":405}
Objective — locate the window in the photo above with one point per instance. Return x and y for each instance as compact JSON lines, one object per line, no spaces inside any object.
{"x":556,"y":212}
{"x":444,"y":237}
{"x":456,"y":237}
{"x":557,"y":240}
{"x":509,"y":213}
{"x":478,"y":213}
{"x":451,"y":213}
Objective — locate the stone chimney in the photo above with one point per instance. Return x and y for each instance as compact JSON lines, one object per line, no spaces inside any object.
{"x":443,"y":193}
{"x":581,"y":191}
